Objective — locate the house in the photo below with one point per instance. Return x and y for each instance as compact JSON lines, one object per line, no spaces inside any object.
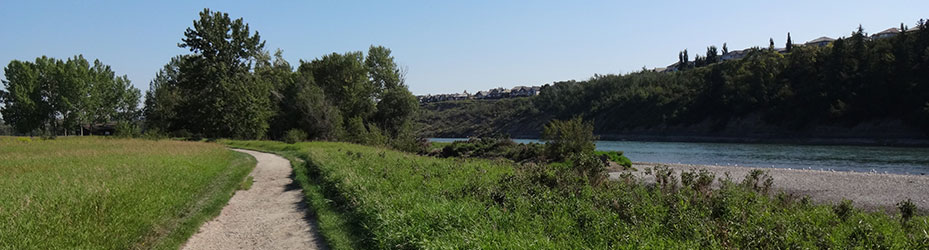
{"x":735,"y":54}
{"x":821,"y":42}
{"x":888,"y":33}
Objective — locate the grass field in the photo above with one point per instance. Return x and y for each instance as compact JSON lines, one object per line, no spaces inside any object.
{"x":391,"y":200}
{"x":101,"y":193}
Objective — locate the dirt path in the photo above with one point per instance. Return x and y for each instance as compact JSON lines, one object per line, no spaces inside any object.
{"x":270,"y":215}
{"x":867,"y":190}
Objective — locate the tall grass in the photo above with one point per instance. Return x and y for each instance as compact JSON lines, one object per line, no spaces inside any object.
{"x":405,"y":201}
{"x":99,"y":193}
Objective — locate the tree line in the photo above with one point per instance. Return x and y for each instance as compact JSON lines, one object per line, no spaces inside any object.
{"x":851,"y":81}
{"x":230,"y":86}
{"x":50,"y":96}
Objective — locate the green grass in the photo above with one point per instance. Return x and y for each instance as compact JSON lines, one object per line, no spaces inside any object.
{"x":386,"y":199}
{"x":247,"y":183}
{"x":100,"y":193}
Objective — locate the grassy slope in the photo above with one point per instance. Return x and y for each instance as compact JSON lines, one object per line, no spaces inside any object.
{"x":112,"y":193}
{"x":407,"y":201}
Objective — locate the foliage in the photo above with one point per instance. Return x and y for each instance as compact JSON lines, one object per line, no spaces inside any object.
{"x":52,"y":96}
{"x":231,"y":87}
{"x":127,"y":130}
{"x":294,"y":136}
{"x":617,"y":157}
{"x":96,"y":193}
{"x":907,"y":210}
{"x":849,"y":82}
{"x":494,"y":147}
{"x":222,"y":97}
{"x":398,"y":200}
{"x":565,"y":138}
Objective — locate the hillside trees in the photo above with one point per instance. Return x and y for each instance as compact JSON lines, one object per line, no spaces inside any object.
{"x":60,"y":97}
{"x":850,"y":82}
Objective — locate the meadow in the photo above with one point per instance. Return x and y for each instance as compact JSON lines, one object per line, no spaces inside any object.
{"x":104,"y":193}
{"x":379,"y":198}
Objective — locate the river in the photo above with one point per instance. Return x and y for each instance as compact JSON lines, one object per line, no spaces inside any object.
{"x":896,"y":160}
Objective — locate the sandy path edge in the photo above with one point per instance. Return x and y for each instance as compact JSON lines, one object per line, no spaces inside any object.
{"x":270,"y":215}
{"x":870,"y":191}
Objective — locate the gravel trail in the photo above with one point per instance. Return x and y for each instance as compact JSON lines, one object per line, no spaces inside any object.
{"x":270,"y":215}
{"x":871,"y":191}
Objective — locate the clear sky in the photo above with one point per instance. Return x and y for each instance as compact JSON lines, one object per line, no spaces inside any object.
{"x":446,"y":46}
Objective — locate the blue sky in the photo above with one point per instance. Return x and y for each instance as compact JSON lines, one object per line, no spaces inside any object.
{"x":446,"y":46}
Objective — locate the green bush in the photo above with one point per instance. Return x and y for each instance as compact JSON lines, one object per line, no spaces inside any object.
{"x":617,"y":157}
{"x":127,"y":130}
{"x":565,"y":138}
{"x":294,"y":135}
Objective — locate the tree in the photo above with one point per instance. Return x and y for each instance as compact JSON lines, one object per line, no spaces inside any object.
{"x":771,"y":44}
{"x":790,"y":44}
{"x":344,"y":79}
{"x":163,"y":97}
{"x":382,"y":70}
{"x":312,"y":112}
{"x":224,"y":99}
{"x":56,"y":96}
{"x":568,"y":137}
{"x":396,"y":105}
{"x":712,"y":55}
{"x":23,"y":104}
{"x":725,"y":49}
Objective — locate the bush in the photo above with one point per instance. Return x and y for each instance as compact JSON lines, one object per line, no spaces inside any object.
{"x":565,"y":138}
{"x":589,"y":166}
{"x":154,"y":134}
{"x":294,"y":135}
{"x":127,"y":130}
{"x":907,"y":209}
{"x":617,"y":157}
{"x":843,"y":210}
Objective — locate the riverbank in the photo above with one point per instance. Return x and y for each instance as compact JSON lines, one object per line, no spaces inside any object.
{"x":870,"y":191}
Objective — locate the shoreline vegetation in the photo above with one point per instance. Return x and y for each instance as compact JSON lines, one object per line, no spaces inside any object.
{"x":109,"y":193}
{"x":870,"y":191}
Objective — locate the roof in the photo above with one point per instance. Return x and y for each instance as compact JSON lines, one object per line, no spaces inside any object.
{"x":821,"y":39}
{"x":888,"y":31}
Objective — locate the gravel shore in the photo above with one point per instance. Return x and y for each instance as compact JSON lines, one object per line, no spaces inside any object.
{"x":870,"y":191}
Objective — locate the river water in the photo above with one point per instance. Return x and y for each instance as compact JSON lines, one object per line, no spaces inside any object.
{"x":896,"y":160}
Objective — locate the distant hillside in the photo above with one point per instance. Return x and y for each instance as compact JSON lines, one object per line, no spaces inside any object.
{"x":855,"y":90}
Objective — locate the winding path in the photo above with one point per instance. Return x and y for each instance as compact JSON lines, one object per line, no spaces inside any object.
{"x":270,"y":215}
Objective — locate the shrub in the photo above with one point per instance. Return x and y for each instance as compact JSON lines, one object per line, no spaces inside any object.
{"x":907,"y":209}
{"x":698,"y":180}
{"x":843,"y":210}
{"x":154,"y":134}
{"x":589,"y":166}
{"x":127,"y":130}
{"x":617,"y":157}
{"x":664,"y":178}
{"x":759,"y":181}
{"x":294,"y":135}
{"x":565,"y":138}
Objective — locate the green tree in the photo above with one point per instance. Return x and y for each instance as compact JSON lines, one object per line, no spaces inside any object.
{"x":163,"y":97}
{"x":568,"y":137}
{"x":223,"y":97}
{"x":56,"y":96}
{"x":790,"y":44}
{"x":344,"y":79}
